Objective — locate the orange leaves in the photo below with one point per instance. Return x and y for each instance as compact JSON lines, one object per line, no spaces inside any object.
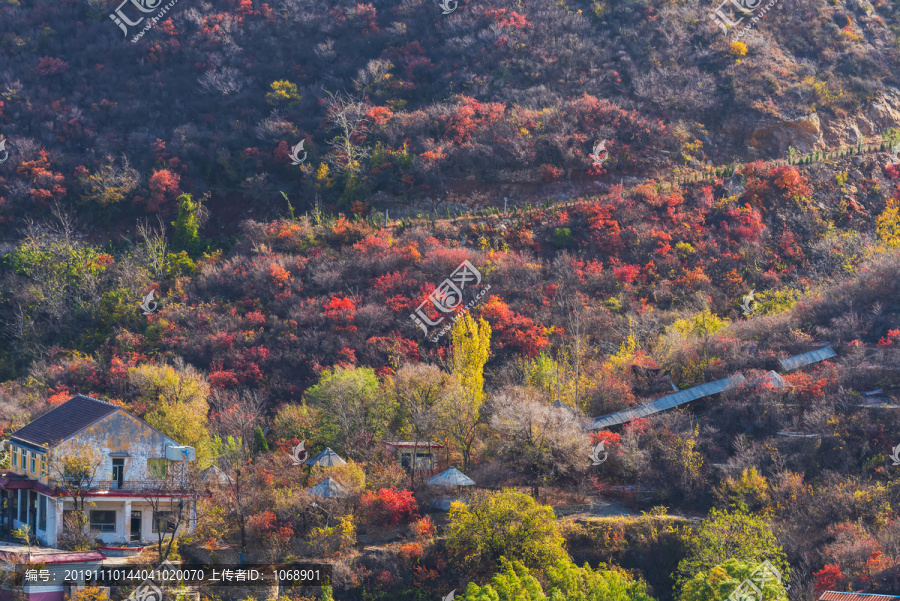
{"x":281,"y":280}
{"x":785,"y":183}
{"x":809,"y":386}
{"x":512,"y":19}
{"x":285,"y":229}
{"x":47,"y":185}
{"x":890,"y":339}
{"x":827,"y":578}
{"x":245,"y":8}
{"x":60,"y":396}
{"x":164,"y":187}
{"x":609,"y":439}
{"x":513,"y":332}
{"x":424,"y":528}
{"x":431,"y":156}
{"x":340,"y":309}
{"x":550,"y":173}
{"x":388,"y":507}
{"x":627,"y":273}
{"x":411,"y":551}
{"x":379,"y":115}
{"x":469,"y":115}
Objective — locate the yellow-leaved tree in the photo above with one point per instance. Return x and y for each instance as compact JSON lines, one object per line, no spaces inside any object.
{"x":284,"y":93}
{"x":471,"y":349}
{"x":176,"y":401}
{"x":471,"y":344}
{"x":888,"y":224}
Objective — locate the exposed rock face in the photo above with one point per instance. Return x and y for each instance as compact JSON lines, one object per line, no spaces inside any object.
{"x":809,"y":134}
{"x":872,"y":119}
{"x":803,"y":134}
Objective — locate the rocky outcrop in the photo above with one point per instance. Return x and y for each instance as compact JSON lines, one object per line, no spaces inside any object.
{"x":873,"y":119}
{"x":803,"y":134}
{"x":810,"y":133}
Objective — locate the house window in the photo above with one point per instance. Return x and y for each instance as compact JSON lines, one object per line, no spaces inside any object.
{"x":15,"y":456}
{"x":43,"y":465}
{"x":164,"y":521}
{"x":33,"y":463}
{"x":156,"y":468}
{"x":103,"y":521}
{"x":42,"y":515}
{"x":23,"y":460}
{"x":73,"y":519}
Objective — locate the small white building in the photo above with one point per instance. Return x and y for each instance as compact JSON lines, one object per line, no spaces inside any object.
{"x":125,"y":474}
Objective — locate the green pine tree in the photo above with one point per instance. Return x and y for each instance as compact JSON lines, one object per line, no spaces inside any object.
{"x":259,"y":441}
{"x":187,"y":226}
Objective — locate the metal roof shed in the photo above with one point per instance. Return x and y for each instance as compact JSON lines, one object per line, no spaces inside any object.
{"x":820,"y":354}
{"x":669,"y":401}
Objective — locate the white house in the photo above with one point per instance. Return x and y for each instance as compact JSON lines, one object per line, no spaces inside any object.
{"x":128,"y":470}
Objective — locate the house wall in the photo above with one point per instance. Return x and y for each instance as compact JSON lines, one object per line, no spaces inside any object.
{"x":43,"y":535}
{"x":120,"y":432}
{"x":124,"y":507}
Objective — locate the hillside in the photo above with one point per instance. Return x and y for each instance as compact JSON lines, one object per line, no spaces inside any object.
{"x":474,"y":226}
{"x":400,"y":104}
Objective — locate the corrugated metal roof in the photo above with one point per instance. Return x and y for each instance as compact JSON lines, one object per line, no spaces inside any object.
{"x":69,"y":418}
{"x":815,"y":356}
{"x":841,"y":596}
{"x":668,"y":402}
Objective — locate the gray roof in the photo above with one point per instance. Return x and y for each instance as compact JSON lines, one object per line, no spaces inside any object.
{"x":815,"y":356}
{"x":451,"y":477}
{"x":329,"y":489}
{"x":326,"y":458}
{"x":68,"y":419}
{"x":773,"y":379}
{"x":561,"y":405}
{"x":667,"y":402}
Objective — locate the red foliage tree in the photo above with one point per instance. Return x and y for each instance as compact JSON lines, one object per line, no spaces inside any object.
{"x":389,"y":507}
{"x":513,"y":332}
{"x":48,"y":65}
{"x":827,"y":578}
{"x":163,"y":191}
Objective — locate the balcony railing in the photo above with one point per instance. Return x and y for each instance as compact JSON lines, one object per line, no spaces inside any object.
{"x":111,"y":485}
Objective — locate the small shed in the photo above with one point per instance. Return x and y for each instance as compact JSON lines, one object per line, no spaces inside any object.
{"x":329,"y":488}
{"x":326,"y":458}
{"x":423,"y":451}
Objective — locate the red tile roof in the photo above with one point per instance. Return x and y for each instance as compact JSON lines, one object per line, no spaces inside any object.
{"x":840,"y":596}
